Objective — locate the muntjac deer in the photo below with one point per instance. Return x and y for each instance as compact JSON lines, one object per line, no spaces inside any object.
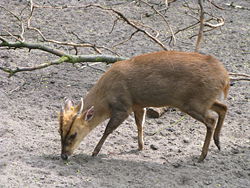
{"x":191,"y":82}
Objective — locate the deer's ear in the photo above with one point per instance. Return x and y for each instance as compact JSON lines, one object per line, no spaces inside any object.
{"x":68,"y":104}
{"x":89,"y":114}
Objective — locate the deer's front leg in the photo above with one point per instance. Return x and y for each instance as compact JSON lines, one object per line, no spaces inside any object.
{"x":116,"y":119}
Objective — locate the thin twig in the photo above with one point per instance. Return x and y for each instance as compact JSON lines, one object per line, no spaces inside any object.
{"x":124,"y":18}
{"x":220,"y":23}
{"x":113,"y":26}
{"x":239,"y":79}
{"x":163,"y":17}
{"x":235,"y":75}
{"x":12,"y":35}
{"x":237,"y":6}
{"x":58,"y":42}
{"x":215,"y":5}
{"x":200,"y":35}
{"x":175,"y":123}
{"x":126,"y":40}
{"x":239,"y":74}
{"x":206,"y":31}
{"x":18,"y":87}
{"x":75,"y":45}
{"x":95,"y":68}
{"x":95,"y":47}
{"x":21,"y":25}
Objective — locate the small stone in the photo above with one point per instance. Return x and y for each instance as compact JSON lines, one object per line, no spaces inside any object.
{"x":42,"y":178}
{"x":170,"y":129}
{"x":154,"y":147}
{"x":176,"y":165}
{"x":207,"y":182}
{"x":235,"y":151}
{"x":239,"y":174}
{"x":186,"y":140}
{"x":159,"y":122}
{"x":238,"y":112}
{"x":4,"y":57}
{"x":152,"y":113}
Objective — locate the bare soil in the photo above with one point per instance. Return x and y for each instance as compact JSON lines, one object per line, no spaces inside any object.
{"x":29,"y":102}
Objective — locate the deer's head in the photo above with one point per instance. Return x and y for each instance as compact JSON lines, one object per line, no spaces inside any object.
{"x":74,"y":126}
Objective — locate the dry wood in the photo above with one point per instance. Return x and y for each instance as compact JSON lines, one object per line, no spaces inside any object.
{"x":131,"y":23}
{"x":155,"y":112}
{"x":164,"y":18}
{"x":65,"y":57}
{"x":200,"y":35}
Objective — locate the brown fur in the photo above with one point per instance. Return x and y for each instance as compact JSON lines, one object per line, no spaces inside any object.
{"x":191,"y":82}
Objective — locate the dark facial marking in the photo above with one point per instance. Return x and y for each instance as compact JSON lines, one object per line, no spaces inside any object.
{"x":67,"y":137}
{"x":72,"y":137}
{"x":61,"y":123}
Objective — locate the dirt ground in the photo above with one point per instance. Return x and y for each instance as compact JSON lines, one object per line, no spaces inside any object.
{"x":29,"y":103}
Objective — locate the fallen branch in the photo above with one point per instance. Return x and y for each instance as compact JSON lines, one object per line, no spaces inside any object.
{"x":30,"y":46}
{"x":41,"y":66}
{"x":155,"y":112}
{"x":63,"y":56}
{"x":21,"y":39}
{"x":68,"y":59}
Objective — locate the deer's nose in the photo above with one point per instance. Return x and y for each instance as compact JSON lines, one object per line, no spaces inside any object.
{"x":64,"y":156}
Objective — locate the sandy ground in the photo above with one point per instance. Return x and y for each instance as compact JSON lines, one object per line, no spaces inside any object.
{"x":29,"y":102}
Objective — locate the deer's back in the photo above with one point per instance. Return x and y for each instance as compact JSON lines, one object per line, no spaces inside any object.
{"x":165,"y":78}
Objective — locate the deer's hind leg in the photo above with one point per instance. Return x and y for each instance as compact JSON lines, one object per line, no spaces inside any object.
{"x":210,"y":121}
{"x":206,"y":117}
{"x":221,"y":110}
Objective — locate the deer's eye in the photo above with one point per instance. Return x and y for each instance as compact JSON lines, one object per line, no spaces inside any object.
{"x":71,"y":137}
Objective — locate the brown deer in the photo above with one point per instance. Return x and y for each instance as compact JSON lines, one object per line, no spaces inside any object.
{"x":191,"y":82}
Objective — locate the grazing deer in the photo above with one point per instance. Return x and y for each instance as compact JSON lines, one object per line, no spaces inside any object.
{"x":191,"y":82}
